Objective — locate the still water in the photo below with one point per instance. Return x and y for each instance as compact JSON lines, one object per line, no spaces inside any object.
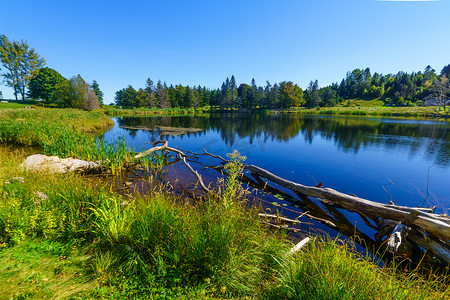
{"x":403,"y":161}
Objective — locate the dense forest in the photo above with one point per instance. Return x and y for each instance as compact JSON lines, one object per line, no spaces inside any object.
{"x":400,"y":89}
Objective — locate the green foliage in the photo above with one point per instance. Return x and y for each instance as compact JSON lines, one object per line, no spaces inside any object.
{"x":333,"y":270}
{"x":43,"y":85}
{"x":232,"y":185}
{"x":58,"y":132}
{"x":127,"y":97}
{"x":20,"y":63}
{"x":76,"y":93}
{"x":96,"y":88}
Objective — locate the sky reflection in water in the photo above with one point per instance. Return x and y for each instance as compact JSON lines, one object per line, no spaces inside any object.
{"x":377,"y":159}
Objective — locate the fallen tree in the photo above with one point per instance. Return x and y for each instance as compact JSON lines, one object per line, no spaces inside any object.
{"x":435,"y":228}
{"x":429,"y":230}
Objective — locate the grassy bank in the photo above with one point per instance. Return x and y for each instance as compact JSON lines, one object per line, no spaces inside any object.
{"x":377,"y":108}
{"x":62,"y":237}
{"x":61,"y":132}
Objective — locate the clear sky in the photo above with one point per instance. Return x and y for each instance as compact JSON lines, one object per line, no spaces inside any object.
{"x":118,"y":43}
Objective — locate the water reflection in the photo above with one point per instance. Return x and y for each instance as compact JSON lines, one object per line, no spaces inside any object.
{"x":404,"y":161}
{"x":347,"y":133}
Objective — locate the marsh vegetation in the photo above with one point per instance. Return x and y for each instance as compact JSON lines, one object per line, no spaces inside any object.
{"x":62,"y":236}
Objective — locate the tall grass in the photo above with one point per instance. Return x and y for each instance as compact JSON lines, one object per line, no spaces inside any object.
{"x":330,"y":269}
{"x":162,"y":244}
{"x":62,"y":132}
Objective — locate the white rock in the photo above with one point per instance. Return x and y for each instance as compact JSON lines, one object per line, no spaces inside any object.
{"x":54,"y":164}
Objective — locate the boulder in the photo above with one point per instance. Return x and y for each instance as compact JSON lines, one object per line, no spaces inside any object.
{"x":56,"y":165}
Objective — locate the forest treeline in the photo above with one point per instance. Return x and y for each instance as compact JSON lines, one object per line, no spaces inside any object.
{"x":395,"y":90}
{"x":23,"y":69}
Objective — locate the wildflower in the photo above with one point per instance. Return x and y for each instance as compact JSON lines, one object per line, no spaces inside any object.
{"x":14,"y":178}
{"x":41,"y":196}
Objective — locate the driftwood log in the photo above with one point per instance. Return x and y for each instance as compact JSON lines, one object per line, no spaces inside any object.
{"x":435,"y":227}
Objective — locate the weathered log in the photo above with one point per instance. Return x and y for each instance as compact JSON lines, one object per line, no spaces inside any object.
{"x":440,"y":250}
{"x":438,"y":225}
{"x":279,"y":218}
{"x":436,"y":247}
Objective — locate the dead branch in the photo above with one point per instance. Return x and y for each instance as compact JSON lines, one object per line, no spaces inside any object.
{"x":279,"y":218}
{"x":181,"y":156}
{"x":298,"y":247}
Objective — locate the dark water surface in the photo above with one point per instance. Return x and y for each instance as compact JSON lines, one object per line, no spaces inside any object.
{"x":374,"y":158}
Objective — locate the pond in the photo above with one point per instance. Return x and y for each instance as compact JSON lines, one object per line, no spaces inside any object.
{"x":399,"y":160}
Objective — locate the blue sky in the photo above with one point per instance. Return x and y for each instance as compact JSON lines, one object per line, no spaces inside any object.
{"x":119,"y":43}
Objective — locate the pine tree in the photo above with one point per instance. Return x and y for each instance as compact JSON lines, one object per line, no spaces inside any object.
{"x":97,"y":91}
{"x":150,"y":99}
{"x":161,"y":95}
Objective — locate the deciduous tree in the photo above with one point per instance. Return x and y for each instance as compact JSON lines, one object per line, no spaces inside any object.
{"x":76,"y":93}
{"x":43,"y":85}
{"x":19,"y":64}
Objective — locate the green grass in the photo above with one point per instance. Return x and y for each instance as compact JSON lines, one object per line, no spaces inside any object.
{"x":413,"y":112}
{"x":61,"y":132}
{"x":38,"y":269}
{"x":333,"y":270}
{"x":375,"y":107}
{"x":12,"y":105}
{"x":61,"y":236}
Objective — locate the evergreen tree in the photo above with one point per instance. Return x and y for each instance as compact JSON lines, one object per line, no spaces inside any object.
{"x":233,"y":91}
{"x":97,"y":91}
{"x":150,"y":99}
{"x":126,"y":97}
{"x":446,"y":71}
{"x":253,"y":95}
{"x":429,"y":73}
{"x":161,"y":95}
{"x":189,"y":98}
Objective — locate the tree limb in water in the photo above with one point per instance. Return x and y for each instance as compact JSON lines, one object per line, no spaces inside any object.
{"x":433,"y":224}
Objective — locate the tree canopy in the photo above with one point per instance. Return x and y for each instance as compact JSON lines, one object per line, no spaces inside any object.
{"x":76,"y":93}
{"x":43,"y":85}
{"x":19,"y":64}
